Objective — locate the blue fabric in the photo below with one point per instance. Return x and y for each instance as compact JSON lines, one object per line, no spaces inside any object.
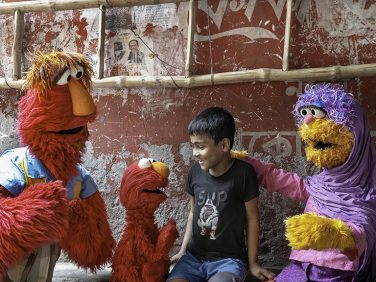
{"x":13,"y":179}
{"x":194,"y":270}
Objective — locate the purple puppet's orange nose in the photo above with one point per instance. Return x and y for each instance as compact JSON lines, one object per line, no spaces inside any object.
{"x":82,"y":102}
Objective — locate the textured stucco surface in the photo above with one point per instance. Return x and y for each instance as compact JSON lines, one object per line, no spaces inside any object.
{"x":143,"y":122}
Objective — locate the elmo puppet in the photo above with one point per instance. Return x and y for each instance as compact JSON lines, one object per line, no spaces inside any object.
{"x":48,"y":201}
{"x":142,"y":253}
{"x":335,"y":239}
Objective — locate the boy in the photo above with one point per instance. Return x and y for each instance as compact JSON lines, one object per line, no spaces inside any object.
{"x":224,"y":207}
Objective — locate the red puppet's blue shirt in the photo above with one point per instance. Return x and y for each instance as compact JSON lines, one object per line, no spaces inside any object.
{"x":19,"y":168}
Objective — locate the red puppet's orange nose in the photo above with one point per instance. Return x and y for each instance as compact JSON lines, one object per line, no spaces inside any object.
{"x":82,"y":102}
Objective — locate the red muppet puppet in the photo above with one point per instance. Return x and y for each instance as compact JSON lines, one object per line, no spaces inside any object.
{"x":142,"y":253}
{"x":48,"y":201}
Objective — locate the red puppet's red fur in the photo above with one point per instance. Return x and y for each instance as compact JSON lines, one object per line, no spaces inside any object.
{"x":99,"y":251}
{"x":36,"y":217}
{"x":39,"y":121}
{"x":54,"y":128}
{"x":142,"y":253}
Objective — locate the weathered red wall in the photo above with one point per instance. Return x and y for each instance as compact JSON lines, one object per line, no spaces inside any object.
{"x":138,"y":122}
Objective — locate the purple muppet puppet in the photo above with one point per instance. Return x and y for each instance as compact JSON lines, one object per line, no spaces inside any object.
{"x":335,"y":238}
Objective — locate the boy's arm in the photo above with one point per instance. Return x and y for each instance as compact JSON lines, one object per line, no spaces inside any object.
{"x":253,"y":229}
{"x":188,"y":231}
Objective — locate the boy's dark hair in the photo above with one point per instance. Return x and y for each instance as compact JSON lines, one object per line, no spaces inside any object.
{"x":217,"y":123}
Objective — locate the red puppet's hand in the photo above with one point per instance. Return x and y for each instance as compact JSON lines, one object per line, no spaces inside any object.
{"x":36,"y":217}
{"x":89,"y":240}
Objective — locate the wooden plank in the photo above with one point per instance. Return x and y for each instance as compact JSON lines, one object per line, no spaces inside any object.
{"x":101,"y":40}
{"x":263,"y":75}
{"x":59,"y":5}
{"x":190,"y":41}
{"x":17,"y":44}
{"x":286,"y":45}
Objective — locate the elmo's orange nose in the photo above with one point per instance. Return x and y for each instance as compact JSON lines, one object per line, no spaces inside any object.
{"x":161,"y":168}
{"x":82,"y":102}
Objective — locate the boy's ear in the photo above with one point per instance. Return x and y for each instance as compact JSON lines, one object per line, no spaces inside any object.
{"x":226,"y":144}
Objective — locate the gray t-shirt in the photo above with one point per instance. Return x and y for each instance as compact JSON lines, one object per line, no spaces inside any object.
{"x":219,"y":219}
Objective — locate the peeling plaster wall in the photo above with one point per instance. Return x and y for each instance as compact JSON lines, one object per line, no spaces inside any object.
{"x":142,"y":122}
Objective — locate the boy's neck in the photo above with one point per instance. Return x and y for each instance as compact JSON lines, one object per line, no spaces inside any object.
{"x":222,"y":167}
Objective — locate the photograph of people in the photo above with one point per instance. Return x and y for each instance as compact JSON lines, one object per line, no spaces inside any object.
{"x":135,"y":55}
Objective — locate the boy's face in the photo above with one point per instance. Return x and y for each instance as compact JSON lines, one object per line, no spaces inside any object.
{"x":208,"y":154}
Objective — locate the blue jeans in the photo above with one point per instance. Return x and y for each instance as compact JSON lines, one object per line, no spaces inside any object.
{"x":195,"y":270}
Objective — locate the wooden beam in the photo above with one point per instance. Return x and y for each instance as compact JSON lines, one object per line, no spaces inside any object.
{"x":263,"y":75}
{"x":286,"y":45}
{"x":59,"y":5}
{"x":17,"y":44}
{"x":101,"y":39}
{"x":190,"y":41}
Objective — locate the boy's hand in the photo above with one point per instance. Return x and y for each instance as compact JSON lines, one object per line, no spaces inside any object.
{"x":176,"y":257}
{"x":261,"y":273}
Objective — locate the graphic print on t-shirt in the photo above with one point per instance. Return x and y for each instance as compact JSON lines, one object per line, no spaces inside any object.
{"x":208,"y":219}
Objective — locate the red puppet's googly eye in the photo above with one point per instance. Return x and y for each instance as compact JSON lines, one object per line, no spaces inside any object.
{"x":65,"y":77}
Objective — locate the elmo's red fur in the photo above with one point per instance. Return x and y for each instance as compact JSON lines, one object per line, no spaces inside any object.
{"x":142,"y":253}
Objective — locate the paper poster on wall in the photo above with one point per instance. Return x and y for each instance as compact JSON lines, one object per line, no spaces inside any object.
{"x":129,"y":47}
{"x":130,"y":55}
{"x":163,"y":15}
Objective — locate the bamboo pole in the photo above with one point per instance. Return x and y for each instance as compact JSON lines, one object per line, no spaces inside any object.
{"x":191,"y":34}
{"x":59,"y":5}
{"x":261,"y":75}
{"x":17,"y":44}
{"x":286,"y":47}
{"x":102,"y":27}
{"x":6,"y":83}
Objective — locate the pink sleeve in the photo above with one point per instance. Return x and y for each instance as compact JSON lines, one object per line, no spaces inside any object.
{"x":278,"y":180}
{"x":359,"y":237}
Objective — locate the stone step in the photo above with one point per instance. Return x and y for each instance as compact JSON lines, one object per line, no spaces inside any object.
{"x":68,"y":272}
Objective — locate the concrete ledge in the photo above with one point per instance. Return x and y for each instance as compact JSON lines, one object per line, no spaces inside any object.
{"x":68,"y":272}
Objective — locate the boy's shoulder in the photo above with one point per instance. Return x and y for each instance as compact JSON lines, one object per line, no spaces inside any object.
{"x":243,"y":164}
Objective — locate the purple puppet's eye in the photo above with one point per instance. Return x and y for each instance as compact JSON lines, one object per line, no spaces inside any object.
{"x":318,"y":113}
{"x":304,"y":111}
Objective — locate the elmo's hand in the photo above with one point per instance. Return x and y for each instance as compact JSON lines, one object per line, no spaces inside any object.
{"x":311,"y":231}
{"x":167,"y":237}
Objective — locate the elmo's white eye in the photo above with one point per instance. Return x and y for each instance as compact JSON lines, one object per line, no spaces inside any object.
{"x":144,"y":163}
{"x":318,"y":113}
{"x":78,"y":73}
{"x":65,"y":77}
{"x":152,"y":160}
{"x":304,"y":111}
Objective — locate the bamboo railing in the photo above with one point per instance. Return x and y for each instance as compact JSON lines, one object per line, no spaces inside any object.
{"x":60,"y":5}
{"x":189,"y":80}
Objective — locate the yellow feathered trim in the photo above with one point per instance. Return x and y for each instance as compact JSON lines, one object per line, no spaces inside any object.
{"x":312,"y":231}
{"x":241,"y":155}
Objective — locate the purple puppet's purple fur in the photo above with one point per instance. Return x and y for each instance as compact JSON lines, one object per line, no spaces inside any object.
{"x":332,"y":98}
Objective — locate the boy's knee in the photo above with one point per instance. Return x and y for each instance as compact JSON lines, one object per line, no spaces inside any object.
{"x":224,"y":277}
